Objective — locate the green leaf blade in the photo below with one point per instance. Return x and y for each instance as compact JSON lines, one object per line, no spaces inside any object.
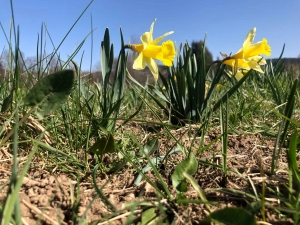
{"x":50,"y":92}
{"x":232,"y":216}
{"x":190,"y":166}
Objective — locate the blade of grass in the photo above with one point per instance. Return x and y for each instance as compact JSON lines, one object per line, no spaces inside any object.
{"x":282,"y":132}
{"x":224,"y":139}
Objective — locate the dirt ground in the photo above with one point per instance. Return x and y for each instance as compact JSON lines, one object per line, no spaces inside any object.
{"x":48,"y":197}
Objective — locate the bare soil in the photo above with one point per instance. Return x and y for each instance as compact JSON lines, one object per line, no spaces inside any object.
{"x":49,"y":196}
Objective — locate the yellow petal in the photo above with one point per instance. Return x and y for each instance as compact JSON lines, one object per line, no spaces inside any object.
{"x":153,"y":67}
{"x":157,"y":40}
{"x":229,"y":62}
{"x":139,"y":63}
{"x":145,"y":38}
{"x":238,"y":55}
{"x":244,"y":64}
{"x":260,"y":60}
{"x":247,"y":65}
{"x":253,"y":65}
{"x":238,"y":75}
{"x":151,"y":31}
{"x":250,"y":38}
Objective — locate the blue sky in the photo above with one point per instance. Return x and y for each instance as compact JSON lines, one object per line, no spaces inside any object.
{"x":226,"y":23}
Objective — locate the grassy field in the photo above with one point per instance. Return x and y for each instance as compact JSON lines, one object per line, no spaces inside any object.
{"x":196,"y":147}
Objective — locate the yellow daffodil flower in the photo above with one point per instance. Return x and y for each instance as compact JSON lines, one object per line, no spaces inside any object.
{"x":150,"y":50}
{"x":248,"y":57}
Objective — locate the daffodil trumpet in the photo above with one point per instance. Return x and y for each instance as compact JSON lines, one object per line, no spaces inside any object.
{"x":150,"y":50}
